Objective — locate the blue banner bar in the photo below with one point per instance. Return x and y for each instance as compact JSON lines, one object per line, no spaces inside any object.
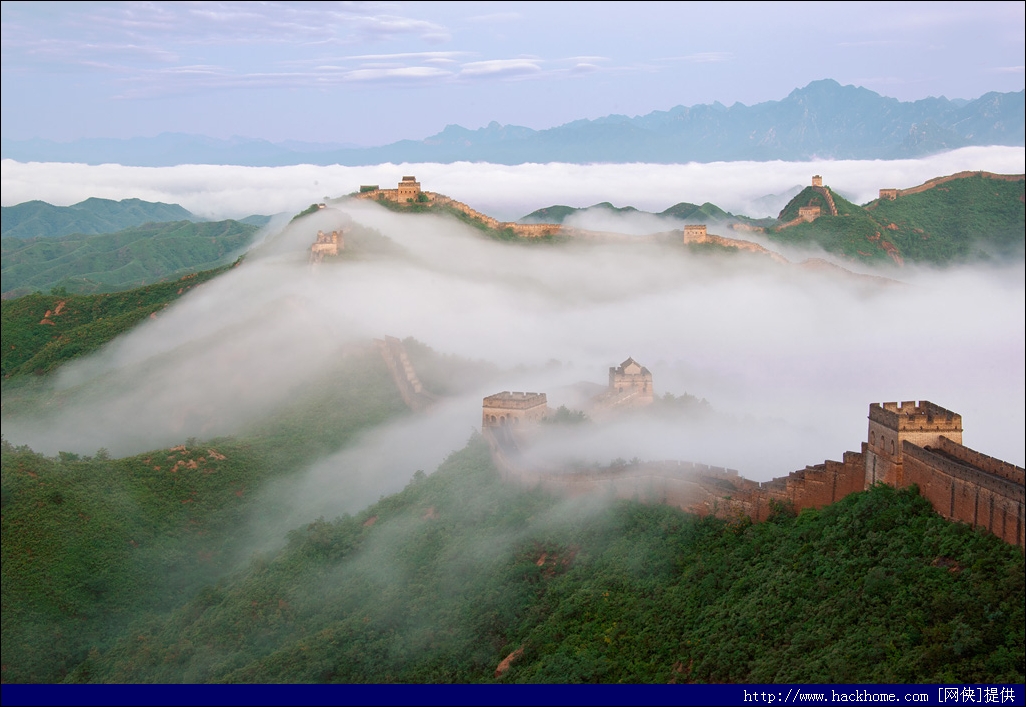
{"x":997,"y":694}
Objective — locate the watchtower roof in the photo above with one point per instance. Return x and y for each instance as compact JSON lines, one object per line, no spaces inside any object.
{"x":630,"y":361}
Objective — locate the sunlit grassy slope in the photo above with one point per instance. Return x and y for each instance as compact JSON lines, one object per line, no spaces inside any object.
{"x":963,"y":220}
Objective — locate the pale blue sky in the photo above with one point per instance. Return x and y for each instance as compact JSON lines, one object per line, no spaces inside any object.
{"x":372,"y":73}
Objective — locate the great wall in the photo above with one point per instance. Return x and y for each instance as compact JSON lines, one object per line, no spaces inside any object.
{"x":409,"y":192}
{"x":907,"y":443}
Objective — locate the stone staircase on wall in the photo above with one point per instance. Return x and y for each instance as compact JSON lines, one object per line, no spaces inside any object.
{"x":403,"y":373}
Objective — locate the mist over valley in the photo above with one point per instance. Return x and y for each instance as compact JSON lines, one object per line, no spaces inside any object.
{"x":731,"y":393}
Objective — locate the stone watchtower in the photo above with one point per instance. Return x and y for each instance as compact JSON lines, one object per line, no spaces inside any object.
{"x":630,"y":376}
{"x":696,"y":233}
{"x":890,"y":424}
{"x":409,"y":189}
{"x":809,"y":213}
{"x":817,"y":180}
{"x":508,"y":409}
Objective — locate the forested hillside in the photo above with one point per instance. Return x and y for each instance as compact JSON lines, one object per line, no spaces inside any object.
{"x":458,"y":572}
{"x":41,"y":332}
{"x":133,"y":257}
{"x":92,"y":544}
{"x":35,"y":219}
{"x":969,"y":219}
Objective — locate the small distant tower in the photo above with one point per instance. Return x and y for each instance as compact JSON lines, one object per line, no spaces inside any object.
{"x":890,"y":194}
{"x":409,"y":189}
{"x":695,"y":233}
{"x":817,"y":181}
{"x":809,"y":213}
{"x":890,"y":424}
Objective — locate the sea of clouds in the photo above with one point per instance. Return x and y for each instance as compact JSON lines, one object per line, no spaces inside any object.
{"x":503,"y":191}
{"x":788,"y":357}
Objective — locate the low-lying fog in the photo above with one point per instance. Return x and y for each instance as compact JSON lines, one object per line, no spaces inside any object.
{"x":789,"y":358}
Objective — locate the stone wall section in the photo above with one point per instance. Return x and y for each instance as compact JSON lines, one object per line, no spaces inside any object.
{"x":523,"y":230}
{"x":695,"y":237}
{"x":961,"y":484}
{"x":937,"y":181}
{"x":825,"y":191}
{"x":960,"y":491}
{"x":403,"y":373}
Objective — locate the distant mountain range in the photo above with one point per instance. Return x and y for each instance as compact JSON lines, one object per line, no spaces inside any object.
{"x":683,"y":211}
{"x":821,"y":120}
{"x":38,"y":219}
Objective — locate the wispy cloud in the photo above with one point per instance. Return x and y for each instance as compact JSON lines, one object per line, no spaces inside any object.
{"x":1009,"y":69}
{"x":500,"y":68}
{"x":401,"y":73}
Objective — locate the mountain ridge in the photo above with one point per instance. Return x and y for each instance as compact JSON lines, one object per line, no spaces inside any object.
{"x":32,"y":219}
{"x":821,"y":120}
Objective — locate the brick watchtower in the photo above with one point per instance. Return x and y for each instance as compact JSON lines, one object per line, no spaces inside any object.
{"x":409,"y":190}
{"x":890,"y":424}
{"x":512,"y":409}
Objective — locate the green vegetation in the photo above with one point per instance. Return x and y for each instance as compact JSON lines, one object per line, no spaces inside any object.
{"x":115,"y":261}
{"x":311,"y":209}
{"x":974,"y":218}
{"x":958,"y":220}
{"x":685,"y":401}
{"x":550,"y":214}
{"x":92,"y":544}
{"x":37,"y":219}
{"x":442,"y":581}
{"x":40,"y":332}
{"x":566,"y":416}
{"x":694,"y":212}
{"x":447,"y":374}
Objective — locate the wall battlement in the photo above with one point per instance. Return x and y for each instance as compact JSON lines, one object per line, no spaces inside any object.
{"x":907,"y":415}
{"x":515,"y":400}
{"x":506,"y":409}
